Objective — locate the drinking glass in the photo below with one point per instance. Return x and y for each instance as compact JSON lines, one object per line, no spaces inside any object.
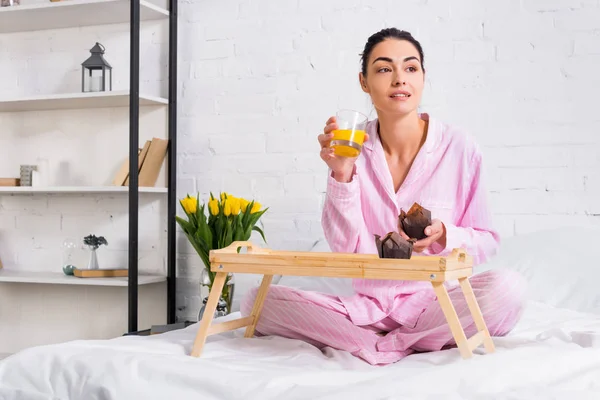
{"x":349,"y":137}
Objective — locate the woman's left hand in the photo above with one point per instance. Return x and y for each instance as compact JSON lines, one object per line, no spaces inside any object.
{"x":436,"y":232}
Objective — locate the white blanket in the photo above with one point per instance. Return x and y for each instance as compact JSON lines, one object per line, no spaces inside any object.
{"x":553,"y":353}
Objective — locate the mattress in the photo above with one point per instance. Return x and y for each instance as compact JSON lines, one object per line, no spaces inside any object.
{"x":552,"y":353}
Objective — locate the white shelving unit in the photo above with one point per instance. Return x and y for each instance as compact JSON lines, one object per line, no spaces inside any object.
{"x":76,"y":100}
{"x":80,"y":189}
{"x":87,"y":13}
{"x":70,"y":14}
{"x":58,"y":278}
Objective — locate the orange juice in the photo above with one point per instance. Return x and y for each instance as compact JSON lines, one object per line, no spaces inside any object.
{"x":347,"y":142}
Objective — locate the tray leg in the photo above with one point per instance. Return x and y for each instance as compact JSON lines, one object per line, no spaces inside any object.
{"x":477,"y":315}
{"x":261,"y":295}
{"x":452,"y":317}
{"x":209,"y":311}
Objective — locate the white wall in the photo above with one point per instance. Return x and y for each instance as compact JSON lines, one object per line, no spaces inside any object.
{"x":259,"y":78}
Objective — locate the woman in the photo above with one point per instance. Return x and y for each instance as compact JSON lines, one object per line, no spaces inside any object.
{"x":408,"y":157}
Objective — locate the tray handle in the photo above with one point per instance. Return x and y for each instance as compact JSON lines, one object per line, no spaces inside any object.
{"x":232,"y":248}
{"x":461,"y":255}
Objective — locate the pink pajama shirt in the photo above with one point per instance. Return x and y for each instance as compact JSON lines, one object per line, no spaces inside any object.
{"x":385,"y":320}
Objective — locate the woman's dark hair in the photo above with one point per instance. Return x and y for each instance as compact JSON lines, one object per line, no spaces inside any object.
{"x":389,"y":33}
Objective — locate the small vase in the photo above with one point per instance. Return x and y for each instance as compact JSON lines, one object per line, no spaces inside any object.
{"x":93,"y":263}
{"x":229,"y":291}
{"x":8,"y":3}
{"x":68,"y":249}
{"x":221,"y":310}
{"x":225,"y":299}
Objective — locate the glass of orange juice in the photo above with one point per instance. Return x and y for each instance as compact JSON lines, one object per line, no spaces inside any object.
{"x":349,"y":137}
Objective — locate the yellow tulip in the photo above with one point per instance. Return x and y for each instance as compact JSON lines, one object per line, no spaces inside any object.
{"x":190,"y":204}
{"x":235,"y":205}
{"x":255,"y":208}
{"x":244,"y":204}
{"x":225,"y":195}
{"x":213,"y":206}
{"x":227,"y":207}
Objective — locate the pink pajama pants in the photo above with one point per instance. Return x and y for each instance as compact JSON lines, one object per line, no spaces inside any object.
{"x":322,"y":320}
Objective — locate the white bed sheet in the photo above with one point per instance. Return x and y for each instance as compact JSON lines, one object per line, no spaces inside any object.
{"x":552,"y":354}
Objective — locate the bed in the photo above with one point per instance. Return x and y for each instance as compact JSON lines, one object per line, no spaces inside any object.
{"x":553,"y":353}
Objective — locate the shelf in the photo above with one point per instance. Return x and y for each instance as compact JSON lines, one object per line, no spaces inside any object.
{"x":72,"y":14}
{"x":79,"y":189}
{"x":76,"y":100}
{"x":58,"y":278}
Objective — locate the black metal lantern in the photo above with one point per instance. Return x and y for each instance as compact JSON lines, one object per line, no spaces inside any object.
{"x":96,"y":72}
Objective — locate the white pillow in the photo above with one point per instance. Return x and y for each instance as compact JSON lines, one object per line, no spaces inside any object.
{"x":561,"y":266}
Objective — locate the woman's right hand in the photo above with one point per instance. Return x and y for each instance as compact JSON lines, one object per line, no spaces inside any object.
{"x":341,"y":167}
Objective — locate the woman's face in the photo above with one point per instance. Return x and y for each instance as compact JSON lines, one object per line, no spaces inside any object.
{"x":394,"y":77}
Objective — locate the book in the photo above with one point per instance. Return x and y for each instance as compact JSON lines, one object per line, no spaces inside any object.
{"x":123,"y":172}
{"x":153,"y":162}
{"x":99,"y":273}
{"x":141,"y":158}
{"x":10,"y":182}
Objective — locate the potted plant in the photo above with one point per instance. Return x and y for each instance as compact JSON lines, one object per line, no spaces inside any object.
{"x":93,"y":242}
{"x":215,"y":225}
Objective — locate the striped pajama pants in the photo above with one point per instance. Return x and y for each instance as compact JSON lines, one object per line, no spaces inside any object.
{"x":322,"y":320}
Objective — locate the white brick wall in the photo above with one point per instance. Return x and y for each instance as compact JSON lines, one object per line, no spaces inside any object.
{"x":259,"y":78}
{"x":519,"y":75}
{"x":34,"y":227}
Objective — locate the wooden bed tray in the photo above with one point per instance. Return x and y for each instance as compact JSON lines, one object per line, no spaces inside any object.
{"x":457,"y":266}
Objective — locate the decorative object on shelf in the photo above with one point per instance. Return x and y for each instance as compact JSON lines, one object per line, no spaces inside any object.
{"x":93,"y":243}
{"x":68,"y":269}
{"x":8,"y":3}
{"x":96,"y":72}
{"x":151,"y":158}
{"x":100,"y":273}
{"x":12,"y":182}
{"x":39,"y":176}
{"x":69,"y":247}
{"x":229,"y":219}
{"x":26,"y":174}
